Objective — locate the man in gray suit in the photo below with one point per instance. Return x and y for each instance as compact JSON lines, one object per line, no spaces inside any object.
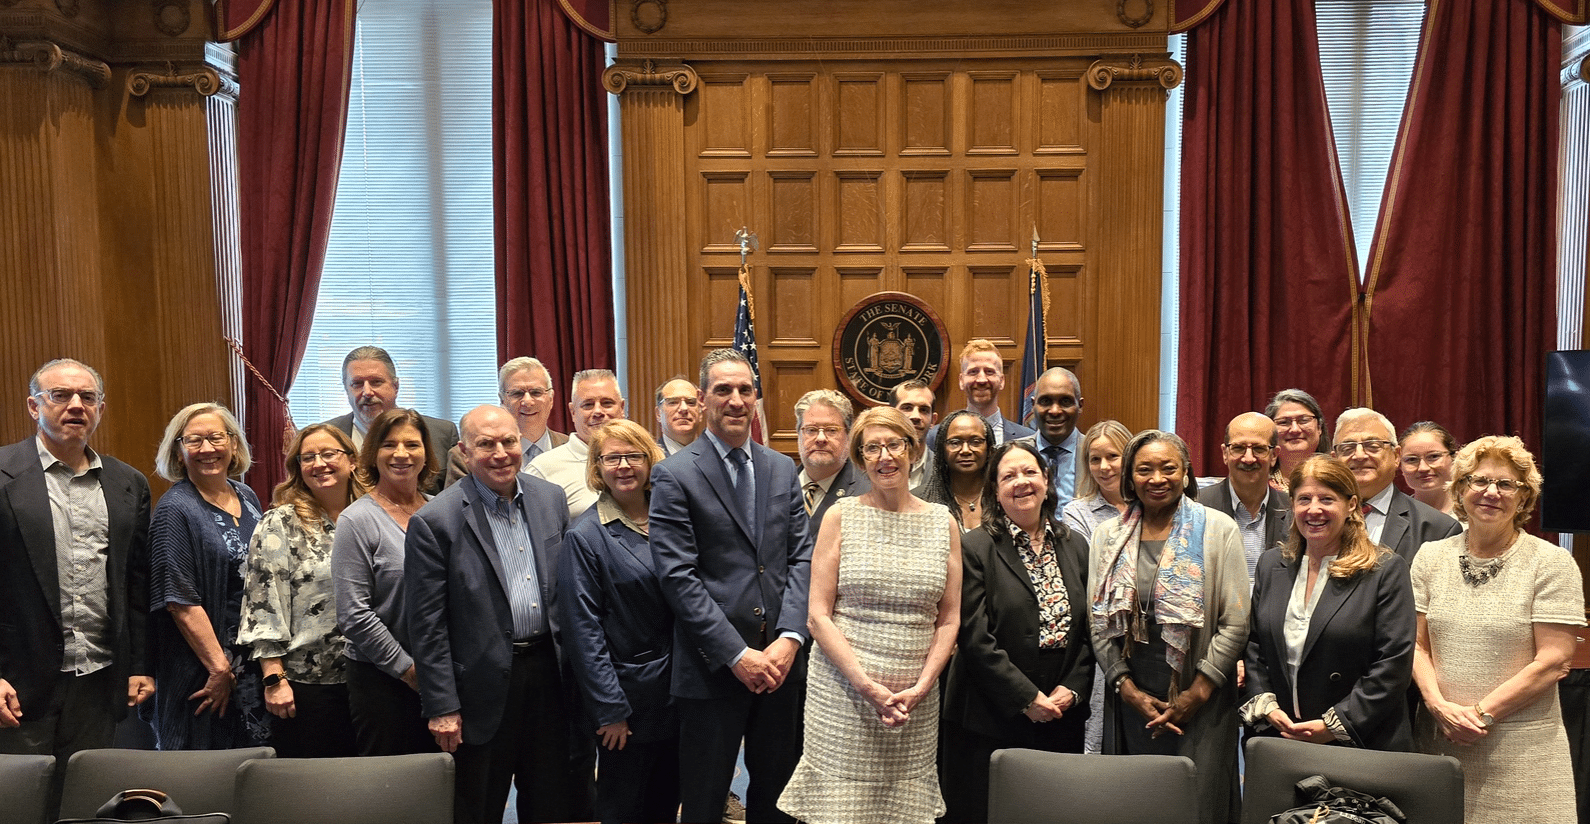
{"x":480,"y":579}
{"x":733,"y":555}
{"x":1262,"y":513}
{"x":822,"y":420}
{"x":370,"y":378}
{"x":1366,"y":440}
{"x":74,"y":530}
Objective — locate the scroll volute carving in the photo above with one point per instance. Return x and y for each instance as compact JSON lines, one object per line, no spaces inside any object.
{"x":1133,"y":68}
{"x":650,"y":74}
{"x":49,"y":57}
{"x":206,"y":81}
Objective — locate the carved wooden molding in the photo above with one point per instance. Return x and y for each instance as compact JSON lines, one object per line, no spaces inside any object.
{"x":172,"y":17}
{"x":50,"y":57}
{"x":205,"y":81}
{"x":650,"y":74}
{"x":1047,"y":44}
{"x":649,"y":16}
{"x":1133,"y":68}
{"x":1134,"y":21}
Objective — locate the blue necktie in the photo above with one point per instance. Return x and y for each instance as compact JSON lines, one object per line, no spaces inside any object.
{"x":742,"y":481}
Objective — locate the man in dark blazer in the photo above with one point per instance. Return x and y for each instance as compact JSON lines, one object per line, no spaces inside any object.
{"x":678,"y":415}
{"x":483,"y":626}
{"x":733,"y":554}
{"x":72,"y":523}
{"x":1263,"y":514}
{"x":822,"y":422}
{"x":1366,"y":440}
{"x":370,"y":378}
{"x":982,"y":379}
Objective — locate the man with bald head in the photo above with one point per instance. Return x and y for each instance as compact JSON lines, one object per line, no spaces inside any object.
{"x":479,"y":581}
{"x":1262,"y":513}
{"x":1366,"y":441}
{"x":678,"y":415}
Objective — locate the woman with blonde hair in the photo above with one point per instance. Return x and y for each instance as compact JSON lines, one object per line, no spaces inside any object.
{"x":1330,"y":648}
{"x":1098,"y":495}
{"x":209,"y":691}
{"x":289,"y":610}
{"x":1497,"y":609}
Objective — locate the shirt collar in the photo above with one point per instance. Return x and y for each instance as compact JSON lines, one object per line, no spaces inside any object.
{"x":723,"y":448}
{"x":47,"y":458}
{"x":1069,"y":444}
{"x":490,"y":496}
{"x":607,"y":511}
{"x":1379,"y":502}
{"x":1237,"y":506}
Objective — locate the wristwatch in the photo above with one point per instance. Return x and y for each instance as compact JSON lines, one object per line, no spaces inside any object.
{"x":1486,"y":719}
{"x":273,"y":679}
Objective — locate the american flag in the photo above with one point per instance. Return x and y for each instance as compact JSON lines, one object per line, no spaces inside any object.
{"x":745,"y":342}
{"x":1037,"y":344}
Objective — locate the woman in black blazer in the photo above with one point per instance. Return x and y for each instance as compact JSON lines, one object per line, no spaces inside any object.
{"x":1330,"y":652}
{"x":1024,"y":672}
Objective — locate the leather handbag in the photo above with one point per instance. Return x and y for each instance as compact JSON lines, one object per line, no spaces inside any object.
{"x":145,"y":805}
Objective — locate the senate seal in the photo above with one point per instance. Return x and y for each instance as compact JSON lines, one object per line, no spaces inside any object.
{"x":885,"y":340}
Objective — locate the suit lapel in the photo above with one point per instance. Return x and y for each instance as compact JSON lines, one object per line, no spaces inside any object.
{"x":717,"y":475}
{"x":30,"y":503}
{"x":1278,"y":592}
{"x":1005,"y":548}
{"x":1397,"y":520}
{"x":475,"y":517}
{"x":1336,"y":593}
{"x":536,"y":524}
{"x":1277,"y":520}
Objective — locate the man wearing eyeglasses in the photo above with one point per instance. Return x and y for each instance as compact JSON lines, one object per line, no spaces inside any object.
{"x":74,"y":528}
{"x":914,"y":399}
{"x":678,"y":415}
{"x":593,"y":400}
{"x":370,"y":378}
{"x":1262,"y":512}
{"x":822,"y":419}
{"x":1366,"y":440}
{"x":525,"y":388}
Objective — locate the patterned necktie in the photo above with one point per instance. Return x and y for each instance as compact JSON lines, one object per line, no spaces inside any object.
{"x":1052,"y":455}
{"x":742,"y":481}
{"x":531,"y":450}
{"x":1365,"y":510}
{"x":814,"y":493}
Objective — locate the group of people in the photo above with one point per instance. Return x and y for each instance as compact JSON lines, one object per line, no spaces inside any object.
{"x":609,"y":619}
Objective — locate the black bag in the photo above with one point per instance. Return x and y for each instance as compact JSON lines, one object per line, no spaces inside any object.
{"x":145,"y":805}
{"x":1338,"y":805}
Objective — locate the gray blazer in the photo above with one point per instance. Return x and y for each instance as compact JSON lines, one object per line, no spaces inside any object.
{"x":1411,"y":524}
{"x":456,"y":611}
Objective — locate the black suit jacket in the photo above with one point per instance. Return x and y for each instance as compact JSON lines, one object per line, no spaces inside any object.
{"x":1277,"y":516}
{"x":731,"y":582}
{"x":444,"y":436}
{"x":31,"y":643}
{"x":1411,"y":524}
{"x":1357,"y":657}
{"x":460,"y":625}
{"x":848,"y":483}
{"x":993,"y":679}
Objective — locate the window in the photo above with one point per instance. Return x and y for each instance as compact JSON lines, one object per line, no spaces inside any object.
{"x":410,"y":265}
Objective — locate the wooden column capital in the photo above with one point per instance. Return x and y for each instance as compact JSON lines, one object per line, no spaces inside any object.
{"x":1133,"y":68}
{"x":204,"y":80}
{"x":649,"y":74}
{"x":50,"y":57}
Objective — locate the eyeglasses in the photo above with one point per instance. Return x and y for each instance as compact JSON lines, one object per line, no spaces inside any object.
{"x":873,"y":451}
{"x":327,"y":455}
{"x":1259,"y":450}
{"x":1412,"y":462}
{"x":613,"y":461}
{"x":688,"y":402}
{"x":1298,"y":421}
{"x":831,"y":432}
{"x":517,"y":395}
{"x":60,"y":396}
{"x":214,"y":438}
{"x":1504,"y":486}
{"x":957,"y":444}
{"x":1345,"y":449}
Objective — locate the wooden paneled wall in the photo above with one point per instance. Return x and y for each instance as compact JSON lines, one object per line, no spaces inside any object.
{"x":115,"y":145}
{"x":894,"y":146}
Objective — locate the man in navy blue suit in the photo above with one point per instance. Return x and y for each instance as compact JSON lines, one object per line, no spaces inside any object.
{"x":733,"y":554}
{"x":480,"y":575}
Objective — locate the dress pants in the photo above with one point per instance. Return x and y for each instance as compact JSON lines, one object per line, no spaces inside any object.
{"x":710,"y":731}
{"x":638,"y":784}
{"x":321,"y":726}
{"x":386,"y":713}
{"x":530,"y":750}
{"x":79,"y":715}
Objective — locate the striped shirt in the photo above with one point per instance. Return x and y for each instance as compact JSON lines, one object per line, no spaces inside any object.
{"x":510,"y":536}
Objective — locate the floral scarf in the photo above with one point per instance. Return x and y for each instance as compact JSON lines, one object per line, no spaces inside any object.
{"x":1178,"y":597}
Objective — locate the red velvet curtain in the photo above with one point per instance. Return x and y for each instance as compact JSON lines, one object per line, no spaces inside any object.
{"x":549,"y":140}
{"x":293,"y":70}
{"x":1462,"y":286}
{"x":1268,"y":277}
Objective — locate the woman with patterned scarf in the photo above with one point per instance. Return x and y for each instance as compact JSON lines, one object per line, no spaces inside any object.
{"x":1169,"y":589}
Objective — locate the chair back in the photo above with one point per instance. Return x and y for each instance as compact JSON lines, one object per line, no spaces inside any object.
{"x":1427,"y":788}
{"x":388,"y":789}
{"x":199,"y":781}
{"x":25,"y":788}
{"x":1032,"y":787}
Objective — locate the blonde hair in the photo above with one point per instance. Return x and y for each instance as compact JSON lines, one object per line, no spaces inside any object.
{"x":891,"y":419}
{"x":168,"y":456}
{"x":292,"y":491}
{"x":1357,"y":553}
{"x":1509,"y":450}
{"x":1113,"y":431}
{"x":619,"y":429}
{"x":974,"y":346}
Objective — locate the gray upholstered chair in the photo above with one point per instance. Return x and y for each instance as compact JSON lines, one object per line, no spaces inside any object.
{"x":25,"y":788}
{"x":1427,"y":788}
{"x":392,"y":789}
{"x":199,"y":781}
{"x":1032,"y":787}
